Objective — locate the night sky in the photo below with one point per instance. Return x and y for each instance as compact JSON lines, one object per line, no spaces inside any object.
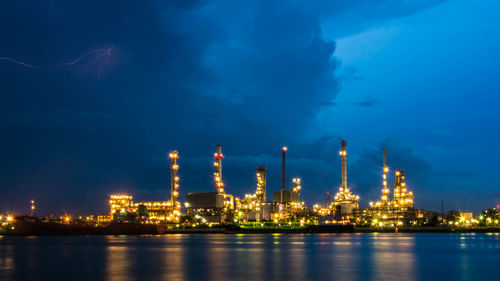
{"x":93,"y":95}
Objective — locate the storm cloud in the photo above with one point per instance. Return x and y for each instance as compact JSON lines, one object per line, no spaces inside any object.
{"x":182,"y":75}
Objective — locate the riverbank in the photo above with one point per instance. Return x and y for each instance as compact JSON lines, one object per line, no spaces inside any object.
{"x":27,"y":228}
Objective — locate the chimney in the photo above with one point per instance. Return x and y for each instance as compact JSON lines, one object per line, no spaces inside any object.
{"x":283,"y":175}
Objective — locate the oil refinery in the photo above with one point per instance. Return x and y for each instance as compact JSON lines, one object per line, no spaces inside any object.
{"x":253,"y":211}
{"x":286,"y":208}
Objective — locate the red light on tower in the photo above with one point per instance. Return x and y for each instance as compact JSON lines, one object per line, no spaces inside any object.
{"x":498,"y":207}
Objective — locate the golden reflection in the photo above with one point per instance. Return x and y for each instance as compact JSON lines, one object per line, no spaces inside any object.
{"x":297,"y":258}
{"x":394,"y":257}
{"x":7,"y":264}
{"x":218,"y":255}
{"x":256,"y":257}
{"x":346,"y":258}
{"x":174,"y":257}
{"x":117,"y":259}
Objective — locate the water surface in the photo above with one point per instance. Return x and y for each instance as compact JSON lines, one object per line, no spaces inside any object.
{"x":370,"y":256}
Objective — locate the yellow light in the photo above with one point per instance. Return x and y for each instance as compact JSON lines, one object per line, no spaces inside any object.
{"x":9,"y":218}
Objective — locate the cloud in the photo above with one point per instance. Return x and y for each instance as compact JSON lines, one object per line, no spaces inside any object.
{"x":455,"y":174}
{"x":367,"y":102}
{"x":183,"y":74}
{"x":57,"y":119}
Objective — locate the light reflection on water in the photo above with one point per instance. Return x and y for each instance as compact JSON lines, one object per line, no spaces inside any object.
{"x":290,"y":257}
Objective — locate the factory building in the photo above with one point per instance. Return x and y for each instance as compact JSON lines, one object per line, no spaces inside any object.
{"x":285,"y":196}
{"x":207,"y":205}
{"x":123,"y":208}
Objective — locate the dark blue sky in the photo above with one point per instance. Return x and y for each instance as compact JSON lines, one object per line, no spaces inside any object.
{"x":107,"y":88}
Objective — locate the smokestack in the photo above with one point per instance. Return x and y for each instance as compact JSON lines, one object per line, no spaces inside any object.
{"x":343,"y":155}
{"x":385,"y":158}
{"x":283,"y":175}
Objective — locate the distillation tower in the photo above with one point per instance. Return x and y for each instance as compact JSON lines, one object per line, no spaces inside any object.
{"x":385,"y":190}
{"x":400,"y":207}
{"x":219,"y":184}
{"x":402,"y":197}
{"x":261,"y":191}
{"x":345,"y":201}
{"x":174,"y":185}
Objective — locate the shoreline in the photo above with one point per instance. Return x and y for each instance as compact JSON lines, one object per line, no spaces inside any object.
{"x":58,"y":229}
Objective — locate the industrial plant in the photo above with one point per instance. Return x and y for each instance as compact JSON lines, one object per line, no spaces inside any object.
{"x":218,"y":209}
{"x":254,"y":210}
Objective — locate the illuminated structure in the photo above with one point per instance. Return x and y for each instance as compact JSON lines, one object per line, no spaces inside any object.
{"x":385,"y":191}
{"x":32,"y":209}
{"x":123,"y":208}
{"x":208,"y":206}
{"x":174,"y":185}
{"x":399,"y":210}
{"x":120,"y":203}
{"x":261,"y":192}
{"x":286,"y":203}
{"x":283,"y":170}
{"x":402,"y":197}
{"x":296,"y":185}
{"x":219,"y":184}
{"x":286,"y":196}
{"x":249,"y":207}
{"x":213,"y":207}
{"x":345,"y":202}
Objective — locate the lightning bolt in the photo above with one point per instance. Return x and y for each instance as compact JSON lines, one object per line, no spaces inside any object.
{"x":18,"y":62}
{"x":100,"y":56}
{"x":96,"y":54}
